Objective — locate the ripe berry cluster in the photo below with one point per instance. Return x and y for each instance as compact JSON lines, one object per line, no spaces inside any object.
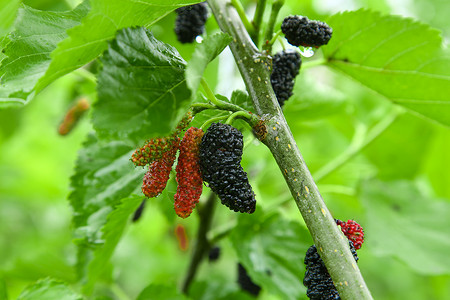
{"x":190,"y":22}
{"x":220,"y":156}
{"x":246,"y":283}
{"x":286,"y":65}
{"x":300,"y":31}
{"x":317,"y":279}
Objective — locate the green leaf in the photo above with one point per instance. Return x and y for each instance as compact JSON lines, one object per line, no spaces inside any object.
{"x":112,"y":232}
{"x":397,"y":57}
{"x":3,"y":290}
{"x":49,"y":289}
{"x":8,"y":12}
{"x":242,"y":99}
{"x":36,"y":35}
{"x":217,"y":290}
{"x":272,"y":250}
{"x":142,"y":91}
{"x":204,"y":53}
{"x":403,"y":222}
{"x":87,"y":41}
{"x":104,"y":175}
{"x":156,"y":291}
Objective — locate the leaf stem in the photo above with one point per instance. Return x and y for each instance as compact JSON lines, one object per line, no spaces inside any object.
{"x":257,"y":19}
{"x":202,"y":245}
{"x":276,"y":6}
{"x":209,"y":93}
{"x":329,"y":240}
{"x":357,"y":145}
{"x":241,"y":12}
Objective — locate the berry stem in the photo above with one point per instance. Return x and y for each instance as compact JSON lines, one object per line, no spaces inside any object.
{"x":359,"y":142}
{"x":276,"y":6}
{"x":275,"y":37}
{"x":238,"y":114}
{"x":252,"y":65}
{"x":201,"y":247}
{"x":210,"y":121}
{"x":209,"y":93}
{"x":257,"y":19}
{"x":241,"y":11}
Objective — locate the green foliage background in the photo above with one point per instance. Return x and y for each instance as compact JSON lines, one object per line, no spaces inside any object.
{"x":397,"y":187}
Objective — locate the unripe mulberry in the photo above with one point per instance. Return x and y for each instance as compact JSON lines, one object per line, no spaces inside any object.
{"x":156,"y":178}
{"x":317,"y":279}
{"x":72,"y":116}
{"x":220,"y":157}
{"x":184,"y":123}
{"x":286,"y":65}
{"x":190,"y":22}
{"x":246,"y":283}
{"x":189,"y":179}
{"x":300,"y":31}
{"x":153,"y":150}
{"x":353,"y":231}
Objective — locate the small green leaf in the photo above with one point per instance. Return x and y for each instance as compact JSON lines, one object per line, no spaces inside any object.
{"x":142,"y":91}
{"x":403,"y":222}
{"x":242,"y":99}
{"x":88,"y":40}
{"x":399,"y":58}
{"x":272,"y":251}
{"x":104,"y":175}
{"x":204,"y":53}
{"x":112,"y":232}
{"x":36,"y":35}
{"x":49,"y":289}
{"x":156,"y":291}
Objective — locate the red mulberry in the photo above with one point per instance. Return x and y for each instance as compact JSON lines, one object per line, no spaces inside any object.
{"x":220,"y":156}
{"x":286,"y":65}
{"x":156,"y":178}
{"x":190,"y":22}
{"x":300,"y":31}
{"x":353,"y":231}
{"x":189,"y":179}
{"x":72,"y":116}
{"x":153,"y":150}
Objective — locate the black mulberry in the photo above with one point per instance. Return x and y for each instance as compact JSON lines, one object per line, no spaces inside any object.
{"x":300,"y":31}
{"x":190,"y":22}
{"x":317,"y":279}
{"x":286,"y":65}
{"x":246,"y":283}
{"x":214,"y":254}
{"x":220,"y":156}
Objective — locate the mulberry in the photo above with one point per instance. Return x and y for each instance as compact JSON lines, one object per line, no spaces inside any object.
{"x":300,"y":31}
{"x":353,"y":231}
{"x":156,"y":178}
{"x":220,"y":156}
{"x":153,"y":150}
{"x":189,"y":179}
{"x":214,"y":254}
{"x":138,"y":213}
{"x":190,"y":22}
{"x":72,"y":116}
{"x":184,"y":122}
{"x":246,"y":283}
{"x":286,"y":65}
{"x":317,"y":279}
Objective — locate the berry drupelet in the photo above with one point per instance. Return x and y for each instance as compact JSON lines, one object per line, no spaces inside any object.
{"x":300,"y":31}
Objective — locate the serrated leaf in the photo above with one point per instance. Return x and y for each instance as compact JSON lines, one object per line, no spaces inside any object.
{"x":272,"y":251}
{"x":404,"y":223}
{"x":157,"y":291}
{"x":397,"y":57}
{"x":87,"y":41}
{"x":8,"y":12}
{"x":142,"y":91}
{"x":203,"y":54}
{"x":112,"y":232}
{"x":49,"y":289}
{"x":36,"y":35}
{"x":103,"y":176}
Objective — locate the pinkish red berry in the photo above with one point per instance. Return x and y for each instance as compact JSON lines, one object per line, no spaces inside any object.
{"x":353,"y":231}
{"x":189,"y":179}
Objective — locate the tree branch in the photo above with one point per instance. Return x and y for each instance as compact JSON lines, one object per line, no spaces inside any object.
{"x":330,"y":242}
{"x":202,"y":245}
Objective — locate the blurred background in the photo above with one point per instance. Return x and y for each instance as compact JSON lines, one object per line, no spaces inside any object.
{"x":406,"y":169}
